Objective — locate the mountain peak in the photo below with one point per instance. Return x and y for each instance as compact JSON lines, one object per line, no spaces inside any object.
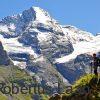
{"x":41,"y":15}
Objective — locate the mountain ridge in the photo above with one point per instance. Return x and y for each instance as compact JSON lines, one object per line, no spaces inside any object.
{"x":31,"y":36}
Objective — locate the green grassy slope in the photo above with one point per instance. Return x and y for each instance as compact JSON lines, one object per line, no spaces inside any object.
{"x":86,"y":88}
{"x":9,"y":75}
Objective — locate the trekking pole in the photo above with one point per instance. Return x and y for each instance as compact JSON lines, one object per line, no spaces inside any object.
{"x":99,"y":74}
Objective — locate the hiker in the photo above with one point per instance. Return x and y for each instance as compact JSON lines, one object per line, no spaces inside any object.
{"x":96,"y":64}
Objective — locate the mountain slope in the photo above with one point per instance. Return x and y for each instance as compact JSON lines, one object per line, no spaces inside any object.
{"x":81,"y":48}
{"x":86,"y":88}
{"x":4,"y":59}
{"x":35,"y":43}
{"x":40,"y":45}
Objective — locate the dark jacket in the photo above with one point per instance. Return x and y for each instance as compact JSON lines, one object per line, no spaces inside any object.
{"x":96,"y":61}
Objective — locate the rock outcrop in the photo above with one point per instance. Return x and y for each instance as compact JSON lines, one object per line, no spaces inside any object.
{"x":4,"y":59}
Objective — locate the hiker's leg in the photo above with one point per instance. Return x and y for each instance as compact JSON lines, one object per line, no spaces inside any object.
{"x":95,"y":72}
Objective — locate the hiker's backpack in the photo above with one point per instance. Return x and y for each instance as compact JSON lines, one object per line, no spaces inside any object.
{"x":98,"y":56}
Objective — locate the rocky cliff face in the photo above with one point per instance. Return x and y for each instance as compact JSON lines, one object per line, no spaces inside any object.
{"x":33,"y":41}
{"x":73,"y":69}
{"x":4,"y":59}
{"x":40,"y":45}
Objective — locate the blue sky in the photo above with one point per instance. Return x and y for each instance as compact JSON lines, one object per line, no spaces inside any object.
{"x":84,"y":14}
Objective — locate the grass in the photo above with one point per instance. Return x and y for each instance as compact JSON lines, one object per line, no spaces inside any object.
{"x":84,"y":80}
{"x":13,"y":74}
{"x":86,"y":88}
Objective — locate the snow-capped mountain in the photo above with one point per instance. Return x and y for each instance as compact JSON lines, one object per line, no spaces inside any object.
{"x":40,"y":45}
{"x":77,"y":63}
{"x":77,"y":35}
